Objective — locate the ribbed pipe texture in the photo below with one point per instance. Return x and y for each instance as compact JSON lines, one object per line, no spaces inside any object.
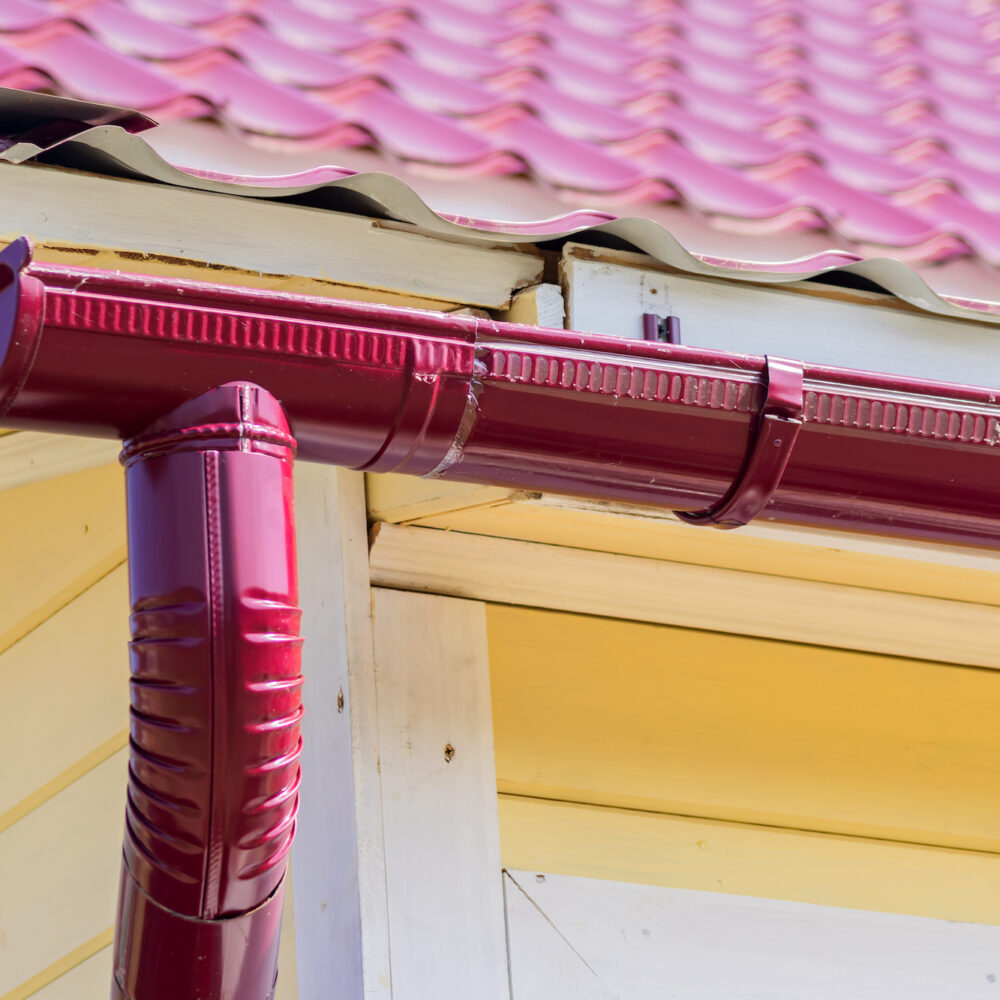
{"x":215,"y":700}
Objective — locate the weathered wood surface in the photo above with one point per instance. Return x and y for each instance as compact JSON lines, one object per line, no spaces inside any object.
{"x":167,"y":230}
{"x":339,"y":870}
{"x":608,"y":292}
{"x":442,"y":848}
{"x":595,"y":583}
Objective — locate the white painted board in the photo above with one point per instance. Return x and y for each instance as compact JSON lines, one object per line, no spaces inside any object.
{"x":651,"y":943}
{"x":442,"y":839}
{"x":610,"y":298}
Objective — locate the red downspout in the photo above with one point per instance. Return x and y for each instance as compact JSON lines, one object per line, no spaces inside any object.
{"x":215,"y":658}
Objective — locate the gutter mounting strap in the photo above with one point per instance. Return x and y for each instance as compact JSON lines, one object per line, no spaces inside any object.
{"x":772,"y":437}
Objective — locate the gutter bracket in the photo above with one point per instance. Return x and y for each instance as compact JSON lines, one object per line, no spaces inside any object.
{"x":661,"y":329}
{"x":773,"y":432}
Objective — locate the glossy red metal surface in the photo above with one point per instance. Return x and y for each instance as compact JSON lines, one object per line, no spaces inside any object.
{"x":158,"y":955}
{"x":215,"y":699}
{"x":390,"y":389}
{"x":772,"y":438}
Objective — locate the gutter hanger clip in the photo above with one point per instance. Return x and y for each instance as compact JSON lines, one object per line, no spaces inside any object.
{"x":772,"y":437}
{"x":661,"y":329}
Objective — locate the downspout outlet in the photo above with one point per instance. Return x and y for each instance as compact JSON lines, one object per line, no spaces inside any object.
{"x":215,"y":700}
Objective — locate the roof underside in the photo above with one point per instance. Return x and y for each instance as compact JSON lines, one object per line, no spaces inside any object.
{"x":870,"y":129}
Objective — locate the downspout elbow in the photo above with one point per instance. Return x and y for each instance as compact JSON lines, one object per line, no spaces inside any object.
{"x":215,"y":700}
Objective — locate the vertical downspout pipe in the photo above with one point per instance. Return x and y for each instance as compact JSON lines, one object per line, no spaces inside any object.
{"x":215,"y":700}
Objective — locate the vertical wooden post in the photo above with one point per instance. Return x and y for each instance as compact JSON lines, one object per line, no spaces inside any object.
{"x":442,"y":842}
{"x":342,"y":933}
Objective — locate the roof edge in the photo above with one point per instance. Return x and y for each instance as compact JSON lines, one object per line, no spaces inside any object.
{"x":105,"y":140}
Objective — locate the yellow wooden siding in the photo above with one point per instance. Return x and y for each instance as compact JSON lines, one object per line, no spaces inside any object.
{"x":788,"y":745}
{"x":59,"y":869}
{"x":63,"y":719}
{"x":64,"y":696}
{"x":714,"y":856}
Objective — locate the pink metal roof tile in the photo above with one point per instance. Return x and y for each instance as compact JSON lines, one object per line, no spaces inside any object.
{"x":443,"y":54}
{"x":879,"y":119}
{"x":861,"y":216}
{"x":256,"y":104}
{"x":310,"y":30}
{"x":572,"y":116}
{"x":90,"y":70}
{"x":708,"y":186}
{"x":427,"y":88}
{"x":278,"y":60}
{"x":133,"y":33}
{"x":184,"y":12}
{"x":412,"y":133}
{"x":463,"y":24}
{"x":582,"y":80}
{"x":25,"y":15}
{"x":564,"y":162}
{"x":941,"y":204}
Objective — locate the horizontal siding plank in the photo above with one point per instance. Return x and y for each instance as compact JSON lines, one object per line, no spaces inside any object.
{"x":88,"y":980}
{"x":597,"y":583}
{"x":58,"y":537}
{"x":698,"y":723}
{"x":684,"y":853}
{"x":31,"y":456}
{"x":59,"y":869}
{"x":65,"y":696}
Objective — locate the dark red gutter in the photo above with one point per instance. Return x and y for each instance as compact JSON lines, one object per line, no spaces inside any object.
{"x":389,"y":389}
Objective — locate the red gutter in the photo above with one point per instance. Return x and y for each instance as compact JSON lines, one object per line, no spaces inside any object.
{"x":215,"y":700}
{"x":389,"y":389}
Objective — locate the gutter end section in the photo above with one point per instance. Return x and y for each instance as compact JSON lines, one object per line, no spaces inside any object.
{"x":22,"y":307}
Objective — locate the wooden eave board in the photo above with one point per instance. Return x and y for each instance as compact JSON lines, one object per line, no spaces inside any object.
{"x":875,"y":563}
{"x":93,"y":221}
{"x":609,"y":291}
{"x":558,"y":578}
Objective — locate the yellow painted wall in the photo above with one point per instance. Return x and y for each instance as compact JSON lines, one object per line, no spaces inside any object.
{"x":701,"y":760}
{"x":63,"y":719}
